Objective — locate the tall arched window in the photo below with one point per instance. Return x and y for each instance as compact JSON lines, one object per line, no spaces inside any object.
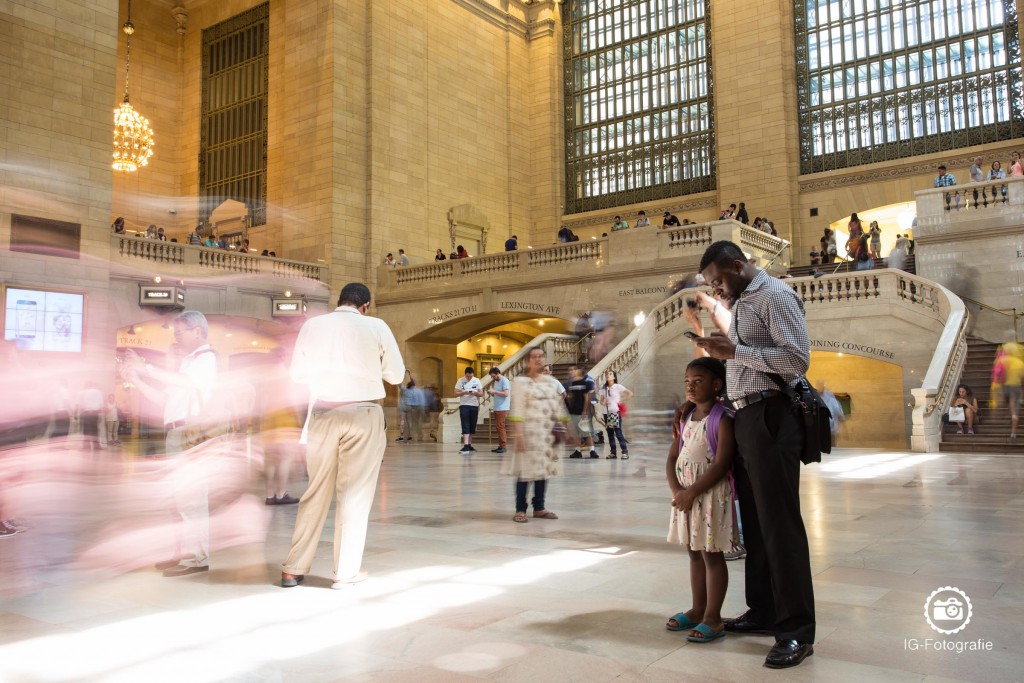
{"x":638,"y":101}
{"x":233,"y":134}
{"x":887,"y":79}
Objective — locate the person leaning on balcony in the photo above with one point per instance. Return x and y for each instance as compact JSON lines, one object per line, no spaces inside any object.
{"x":439,"y":256}
{"x":460,"y":252}
{"x":944,"y":179}
{"x":997,"y":173}
{"x":118,"y":225}
{"x":619,"y":224}
{"x":390,"y":261}
{"x":643,"y":221}
{"x":977,"y":176}
{"x":511,"y":244}
{"x":1016,"y":170}
{"x":668,"y":220}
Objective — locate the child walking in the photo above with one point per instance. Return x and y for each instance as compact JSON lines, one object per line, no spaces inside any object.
{"x":698,"y":470}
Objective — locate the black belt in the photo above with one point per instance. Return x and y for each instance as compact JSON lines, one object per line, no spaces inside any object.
{"x":174,"y":425}
{"x":756,"y":397}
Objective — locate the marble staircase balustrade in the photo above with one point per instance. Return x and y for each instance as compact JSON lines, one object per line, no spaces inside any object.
{"x":829,"y":296}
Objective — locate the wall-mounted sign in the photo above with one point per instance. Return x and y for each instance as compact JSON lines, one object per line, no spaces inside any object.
{"x":638,"y":291}
{"x":837,"y":346}
{"x":530,"y":307}
{"x":161,"y":296}
{"x":288,"y":308}
{"x":454,"y":313}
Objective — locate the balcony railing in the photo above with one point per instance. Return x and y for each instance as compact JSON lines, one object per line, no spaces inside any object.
{"x":208,"y":260}
{"x":624,"y":248}
{"x":945,"y":206}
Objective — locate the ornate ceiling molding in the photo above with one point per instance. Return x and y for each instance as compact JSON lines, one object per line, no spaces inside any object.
{"x":498,"y":17}
{"x":872,"y":174}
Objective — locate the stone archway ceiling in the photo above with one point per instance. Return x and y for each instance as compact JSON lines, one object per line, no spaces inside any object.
{"x":463,"y":328}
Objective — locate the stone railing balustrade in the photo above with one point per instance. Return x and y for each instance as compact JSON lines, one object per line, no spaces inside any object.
{"x":915,"y":293}
{"x":686,"y":241}
{"x":208,"y":260}
{"x":944,"y":206}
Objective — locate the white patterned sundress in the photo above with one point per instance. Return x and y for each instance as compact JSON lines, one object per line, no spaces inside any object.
{"x":708,"y":525}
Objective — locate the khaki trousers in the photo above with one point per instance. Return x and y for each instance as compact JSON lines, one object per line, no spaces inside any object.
{"x":344,"y":451}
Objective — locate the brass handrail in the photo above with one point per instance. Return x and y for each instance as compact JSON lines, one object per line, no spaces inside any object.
{"x":1011,"y":312}
{"x":574,"y":349}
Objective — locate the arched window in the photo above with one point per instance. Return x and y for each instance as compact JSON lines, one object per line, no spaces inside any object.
{"x":880,"y":80}
{"x":638,"y":101}
{"x":233,"y":132}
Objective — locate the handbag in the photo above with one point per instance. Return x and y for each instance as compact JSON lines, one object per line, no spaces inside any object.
{"x":622,"y":410}
{"x":559,"y":433}
{"x":956,"y":414}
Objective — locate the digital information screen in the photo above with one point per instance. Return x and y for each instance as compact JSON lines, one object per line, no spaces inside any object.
{"x":44,"y":321}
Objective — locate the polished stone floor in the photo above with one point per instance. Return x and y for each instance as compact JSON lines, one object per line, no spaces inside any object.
{"x":458,"y":592}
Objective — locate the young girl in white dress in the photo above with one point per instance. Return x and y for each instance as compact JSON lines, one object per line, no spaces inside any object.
{"x":699,"y":473}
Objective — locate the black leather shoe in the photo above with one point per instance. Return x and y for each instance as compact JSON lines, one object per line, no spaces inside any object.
{"x":743,"y":624}
{"x":787,"y":653}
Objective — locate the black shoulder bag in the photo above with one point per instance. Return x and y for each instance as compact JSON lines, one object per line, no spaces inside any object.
{"x":809,"y":409}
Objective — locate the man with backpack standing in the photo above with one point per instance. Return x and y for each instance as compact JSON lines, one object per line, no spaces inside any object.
{"x":767,"y":339}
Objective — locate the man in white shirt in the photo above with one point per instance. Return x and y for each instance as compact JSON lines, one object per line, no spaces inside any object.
{"x":344,"y":358}
{"x":186,"y":394}
{"x":469,"y":390}
{"x":500,"y":390}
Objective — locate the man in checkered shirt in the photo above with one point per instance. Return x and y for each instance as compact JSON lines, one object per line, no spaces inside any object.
{"x":768,"y":335}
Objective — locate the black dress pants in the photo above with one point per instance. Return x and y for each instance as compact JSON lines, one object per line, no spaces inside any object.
{"x":779,"y":591}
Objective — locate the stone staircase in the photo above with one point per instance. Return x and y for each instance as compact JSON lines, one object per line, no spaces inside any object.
{"x":486,"y":433}
{"x":991,"y":434}
{"x":910,"y":266}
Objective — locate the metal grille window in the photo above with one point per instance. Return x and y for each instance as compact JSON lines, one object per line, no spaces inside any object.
{"x":638,"y":101}
{"x":233,"y":134}
{"x":887,"y":79}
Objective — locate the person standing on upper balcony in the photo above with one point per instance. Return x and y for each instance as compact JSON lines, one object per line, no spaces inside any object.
{"x":439,"y":256}
{"x":460,"y":252}
{"x":1016,"y":170}
{"x":403,"y":260}
{"x":741,"y":214}
{"x":619,"y":224}
{"x":944,"y":179}
{"x":977,"y":173}
{"x":512,"y":243}
{"x":669,"y":220}
{"x":643,"y":221}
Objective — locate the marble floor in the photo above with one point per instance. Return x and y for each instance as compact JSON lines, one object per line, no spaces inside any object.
{"x":458,"y":592}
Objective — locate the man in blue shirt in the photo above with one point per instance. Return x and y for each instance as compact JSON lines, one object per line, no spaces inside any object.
{"x":944,"y":179}
{"x":500,"y":391}
{"x":512,"y":243}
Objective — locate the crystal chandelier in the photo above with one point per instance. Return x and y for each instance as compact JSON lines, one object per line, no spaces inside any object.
{"x":133,"y":137}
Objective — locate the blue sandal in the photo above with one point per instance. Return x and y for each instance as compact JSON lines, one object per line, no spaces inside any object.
{"x":682,"y":622}
{"x":706,"y":635}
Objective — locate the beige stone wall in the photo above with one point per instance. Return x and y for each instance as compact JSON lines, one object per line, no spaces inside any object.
{"x":382,"y":116}
{"x":56,"y":128}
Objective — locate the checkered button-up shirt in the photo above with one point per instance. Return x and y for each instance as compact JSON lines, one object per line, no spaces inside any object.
{"x":770,"y":334}
{"x":945,"y":180}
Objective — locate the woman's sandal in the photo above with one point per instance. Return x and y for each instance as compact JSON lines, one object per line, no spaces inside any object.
{"x":682,"y":622}
{"x":545,"y":514}
{"x":521,"y":518}
{"x":704,"y":634}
